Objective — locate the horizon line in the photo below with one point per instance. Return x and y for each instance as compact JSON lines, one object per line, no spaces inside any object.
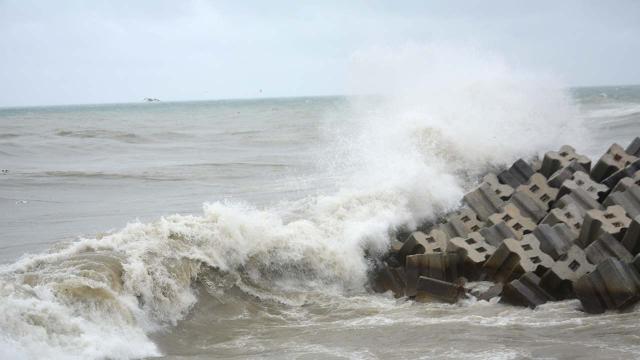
{"x":284,"y":97}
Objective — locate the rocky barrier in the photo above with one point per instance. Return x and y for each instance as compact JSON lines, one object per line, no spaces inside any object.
{"x":542,"y":231}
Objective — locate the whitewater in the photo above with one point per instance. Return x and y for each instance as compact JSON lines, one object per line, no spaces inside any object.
{"x":108,"y":251}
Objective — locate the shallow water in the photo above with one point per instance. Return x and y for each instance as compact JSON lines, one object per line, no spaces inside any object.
{"x":273,"y":266}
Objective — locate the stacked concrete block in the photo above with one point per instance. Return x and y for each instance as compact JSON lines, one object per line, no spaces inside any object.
{"x":525,"y":291}
{"x":554,"y":240}
{"x":628,"y":171}
{"x":583,"y":181}
{"x":628,"y":199}
{"x":605,"y":247}
{"x":528,"y":206}
{"x":631,"y":239}
{"x":513,"y":258}
{"x":612,"y":285}
{"x":581,"y":199}
{"x":538,"y":189}
{"x":555,"y":160}
{"x":614,"y":160}
{"x":510,"y":216}
{"x":565,"y":173}
{"x":627,"y":182}
{"x":445,"y":267}
{"x":474,"y":250}
{"x":558,"y":281}
{"x":430,"y":289}
{"x":494,"y":234}
{"x":484,"y":201}
{"x":578,"y":248}
{"x":612,"y":221}
{"x":390,"y":278}
{"x":570,"y":216}
{"x":503,"y":191}
{"x":518,"y":174}
{"x":461,"y":223}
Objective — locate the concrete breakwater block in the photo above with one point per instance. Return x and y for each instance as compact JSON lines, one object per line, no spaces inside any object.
{"x":628,"y":199}
{"x":580,"y":198}
{"x":513,"y":258}
{"x":565,"y":173}
{"x":634,"y":147}
{"x":528,"y":206}
{"x":519,"y":173}
{"x":570,"y":216}
{"x":628,"y":171}
{"x":430,"y":289}
{"x":612,"y":221}
{"x":484,"y":201}
{"x":525,"y":291}
{"x":614,"y":160}
{"x":631,"y":239}
{"x":538,"y":189}
{"x":461,"y":223}
{"x":511,"y":217}
{"x":627,"y":182}
{"x":445,"y":267}
{"x":503,"y":191}
{"x":612,"y":285}
{"x":583,"y":181}
{"x":474,"y":250}
{"x":605,"y":247}
{"x":558,"y":281}
{"x":555,"y":160}
{"x":558,"y":230}
{"x":554,"y":240}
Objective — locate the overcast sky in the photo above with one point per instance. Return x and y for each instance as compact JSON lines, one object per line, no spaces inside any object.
{"x":71,"y":52}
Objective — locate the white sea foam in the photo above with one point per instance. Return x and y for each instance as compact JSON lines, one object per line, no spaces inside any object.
{"x":444,"y":116}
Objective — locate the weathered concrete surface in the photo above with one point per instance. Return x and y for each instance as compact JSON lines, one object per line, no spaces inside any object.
{"x":484,"y":201}
{"x":461,"y":223}
{"x":631,"y":239}
{"x":605,"y":247}
{"x":390,"y":279}
{"x":429,"y":289}
{"x":614,"y":160}
{"x":558,"y":281}
{"x":612,"y":221}
{"x":628,"y":171}
{"x":503,"y":191}
{"x":510,"y":215}
{"x":555,"y":160}
{"x":494,"y":234}
{"x":474,"y":250}
{"x":581,"y":199}
{"x":525,"y":291}
{"x":628,"y":199}
{"x":565,"y":173}
{"x":513,"y":258}
{"x":538,"y":189}
{"x":634,"y":147}
{"x":581,"y":180}
{"x":627,"y":182}
{"x":528,"y":206}
{"x":446,"y":267}
{"x":518,"y":174}
{"x":570,"y":216}
{"x":554,"y":240}
{"x":612,"y":285}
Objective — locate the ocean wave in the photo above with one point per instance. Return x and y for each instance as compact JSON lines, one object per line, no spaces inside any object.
{"x":122,"y":136}
{"x":399,"y":162}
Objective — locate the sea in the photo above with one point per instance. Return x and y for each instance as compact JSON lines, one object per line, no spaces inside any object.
{"x":247,"y":229}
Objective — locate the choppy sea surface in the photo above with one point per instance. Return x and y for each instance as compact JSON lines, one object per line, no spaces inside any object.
{"x":238,"y":229}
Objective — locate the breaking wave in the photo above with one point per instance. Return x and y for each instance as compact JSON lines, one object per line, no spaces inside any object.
{"x":440,"y":118}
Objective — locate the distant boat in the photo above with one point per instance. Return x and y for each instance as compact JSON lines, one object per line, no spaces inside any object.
{"x":151,"y":100}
